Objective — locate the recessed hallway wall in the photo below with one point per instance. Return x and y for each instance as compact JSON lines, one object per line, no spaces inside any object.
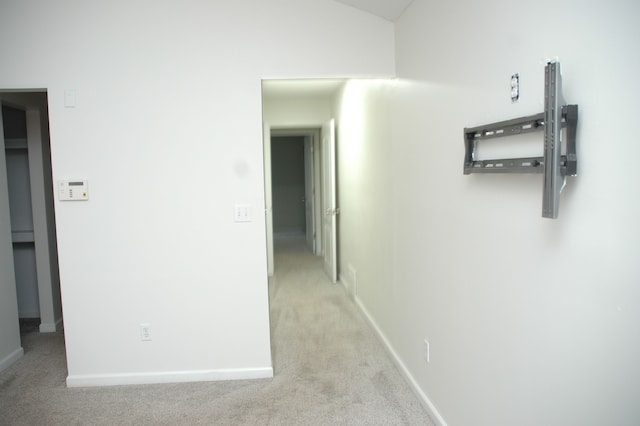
{"x":288,"y":185}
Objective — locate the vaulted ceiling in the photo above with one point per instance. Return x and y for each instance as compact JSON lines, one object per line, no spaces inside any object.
{"x":387,"y":9}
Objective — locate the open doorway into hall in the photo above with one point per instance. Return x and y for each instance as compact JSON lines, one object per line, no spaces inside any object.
{"x":31,"y":242}
{"x":299,"y":155}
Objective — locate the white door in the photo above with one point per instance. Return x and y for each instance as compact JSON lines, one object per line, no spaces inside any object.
{"x":268,"y":203}
{"x":329,"y":202}
{"x":309,"y":190}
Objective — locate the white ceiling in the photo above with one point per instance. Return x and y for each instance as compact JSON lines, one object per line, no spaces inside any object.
{"x":273,"y":89}
{"x":387,"y":9}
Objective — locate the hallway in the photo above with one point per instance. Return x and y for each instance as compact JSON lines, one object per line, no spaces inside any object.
{"x":326,"y":354}
{"x":329,"y":370}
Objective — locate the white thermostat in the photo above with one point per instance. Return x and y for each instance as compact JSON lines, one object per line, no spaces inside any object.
{"x":73,"y":190}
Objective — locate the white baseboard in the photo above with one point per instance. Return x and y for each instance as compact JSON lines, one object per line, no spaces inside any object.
{"x":348,"y":286}
{"x":50,"y":327}
{"x":8,"y":361}
{"x":289,"y":235}
{"x":90,"y":380}
{"x":422,"y":397}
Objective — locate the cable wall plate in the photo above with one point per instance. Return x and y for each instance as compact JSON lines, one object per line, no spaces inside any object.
{"x":554,"y":165}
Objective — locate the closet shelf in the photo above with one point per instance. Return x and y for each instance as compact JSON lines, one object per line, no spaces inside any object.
{"x":22,"y":236}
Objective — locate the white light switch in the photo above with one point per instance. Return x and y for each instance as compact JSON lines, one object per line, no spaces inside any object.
{"x":69,"y":98}
{"x":242,"y":213}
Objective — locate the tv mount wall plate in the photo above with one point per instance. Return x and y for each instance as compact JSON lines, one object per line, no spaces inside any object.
{"x":555,"y":165}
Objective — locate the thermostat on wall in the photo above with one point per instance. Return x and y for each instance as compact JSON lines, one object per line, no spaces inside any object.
{"x":73,"y":190}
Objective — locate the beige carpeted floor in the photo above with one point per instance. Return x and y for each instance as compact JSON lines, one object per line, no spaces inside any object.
{"x":329,"y":370}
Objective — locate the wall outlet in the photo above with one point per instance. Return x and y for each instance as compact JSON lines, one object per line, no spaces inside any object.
{"x":427,"y":355}
{"x":145,"y":332}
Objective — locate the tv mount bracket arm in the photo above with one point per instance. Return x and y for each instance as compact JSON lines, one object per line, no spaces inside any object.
{"x":554,"y":165}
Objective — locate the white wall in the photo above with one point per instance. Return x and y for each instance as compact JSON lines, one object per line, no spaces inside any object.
{"x":530,"y":321}
{"x":291,"y":111}
{"x":364,"y":189}
{"x":167,"y":129}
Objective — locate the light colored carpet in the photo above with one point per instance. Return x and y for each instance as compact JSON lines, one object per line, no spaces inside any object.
{"x":329,"y":370}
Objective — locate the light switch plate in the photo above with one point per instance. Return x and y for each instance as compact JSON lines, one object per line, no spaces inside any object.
{"x":69,"y":98}
{"x":242,"y":213}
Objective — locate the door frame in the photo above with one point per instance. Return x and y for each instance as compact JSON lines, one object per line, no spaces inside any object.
{"x":330,"y":199}
{"x":35,"y":104}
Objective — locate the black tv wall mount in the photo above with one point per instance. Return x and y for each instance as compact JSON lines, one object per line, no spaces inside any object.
{"x":555,"y":165}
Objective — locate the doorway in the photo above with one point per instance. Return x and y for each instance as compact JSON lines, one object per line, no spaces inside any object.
{"x":295,"y":186}
{"x":289,"y":187}
{"x":32,"y":244}
{"x":300,"y":108}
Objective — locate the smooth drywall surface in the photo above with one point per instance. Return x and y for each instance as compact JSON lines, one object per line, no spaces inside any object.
{"x":364,"y":190}
{"x":158,"y":106}
{"x":530,"y":321}
{"x":286,"y":112}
